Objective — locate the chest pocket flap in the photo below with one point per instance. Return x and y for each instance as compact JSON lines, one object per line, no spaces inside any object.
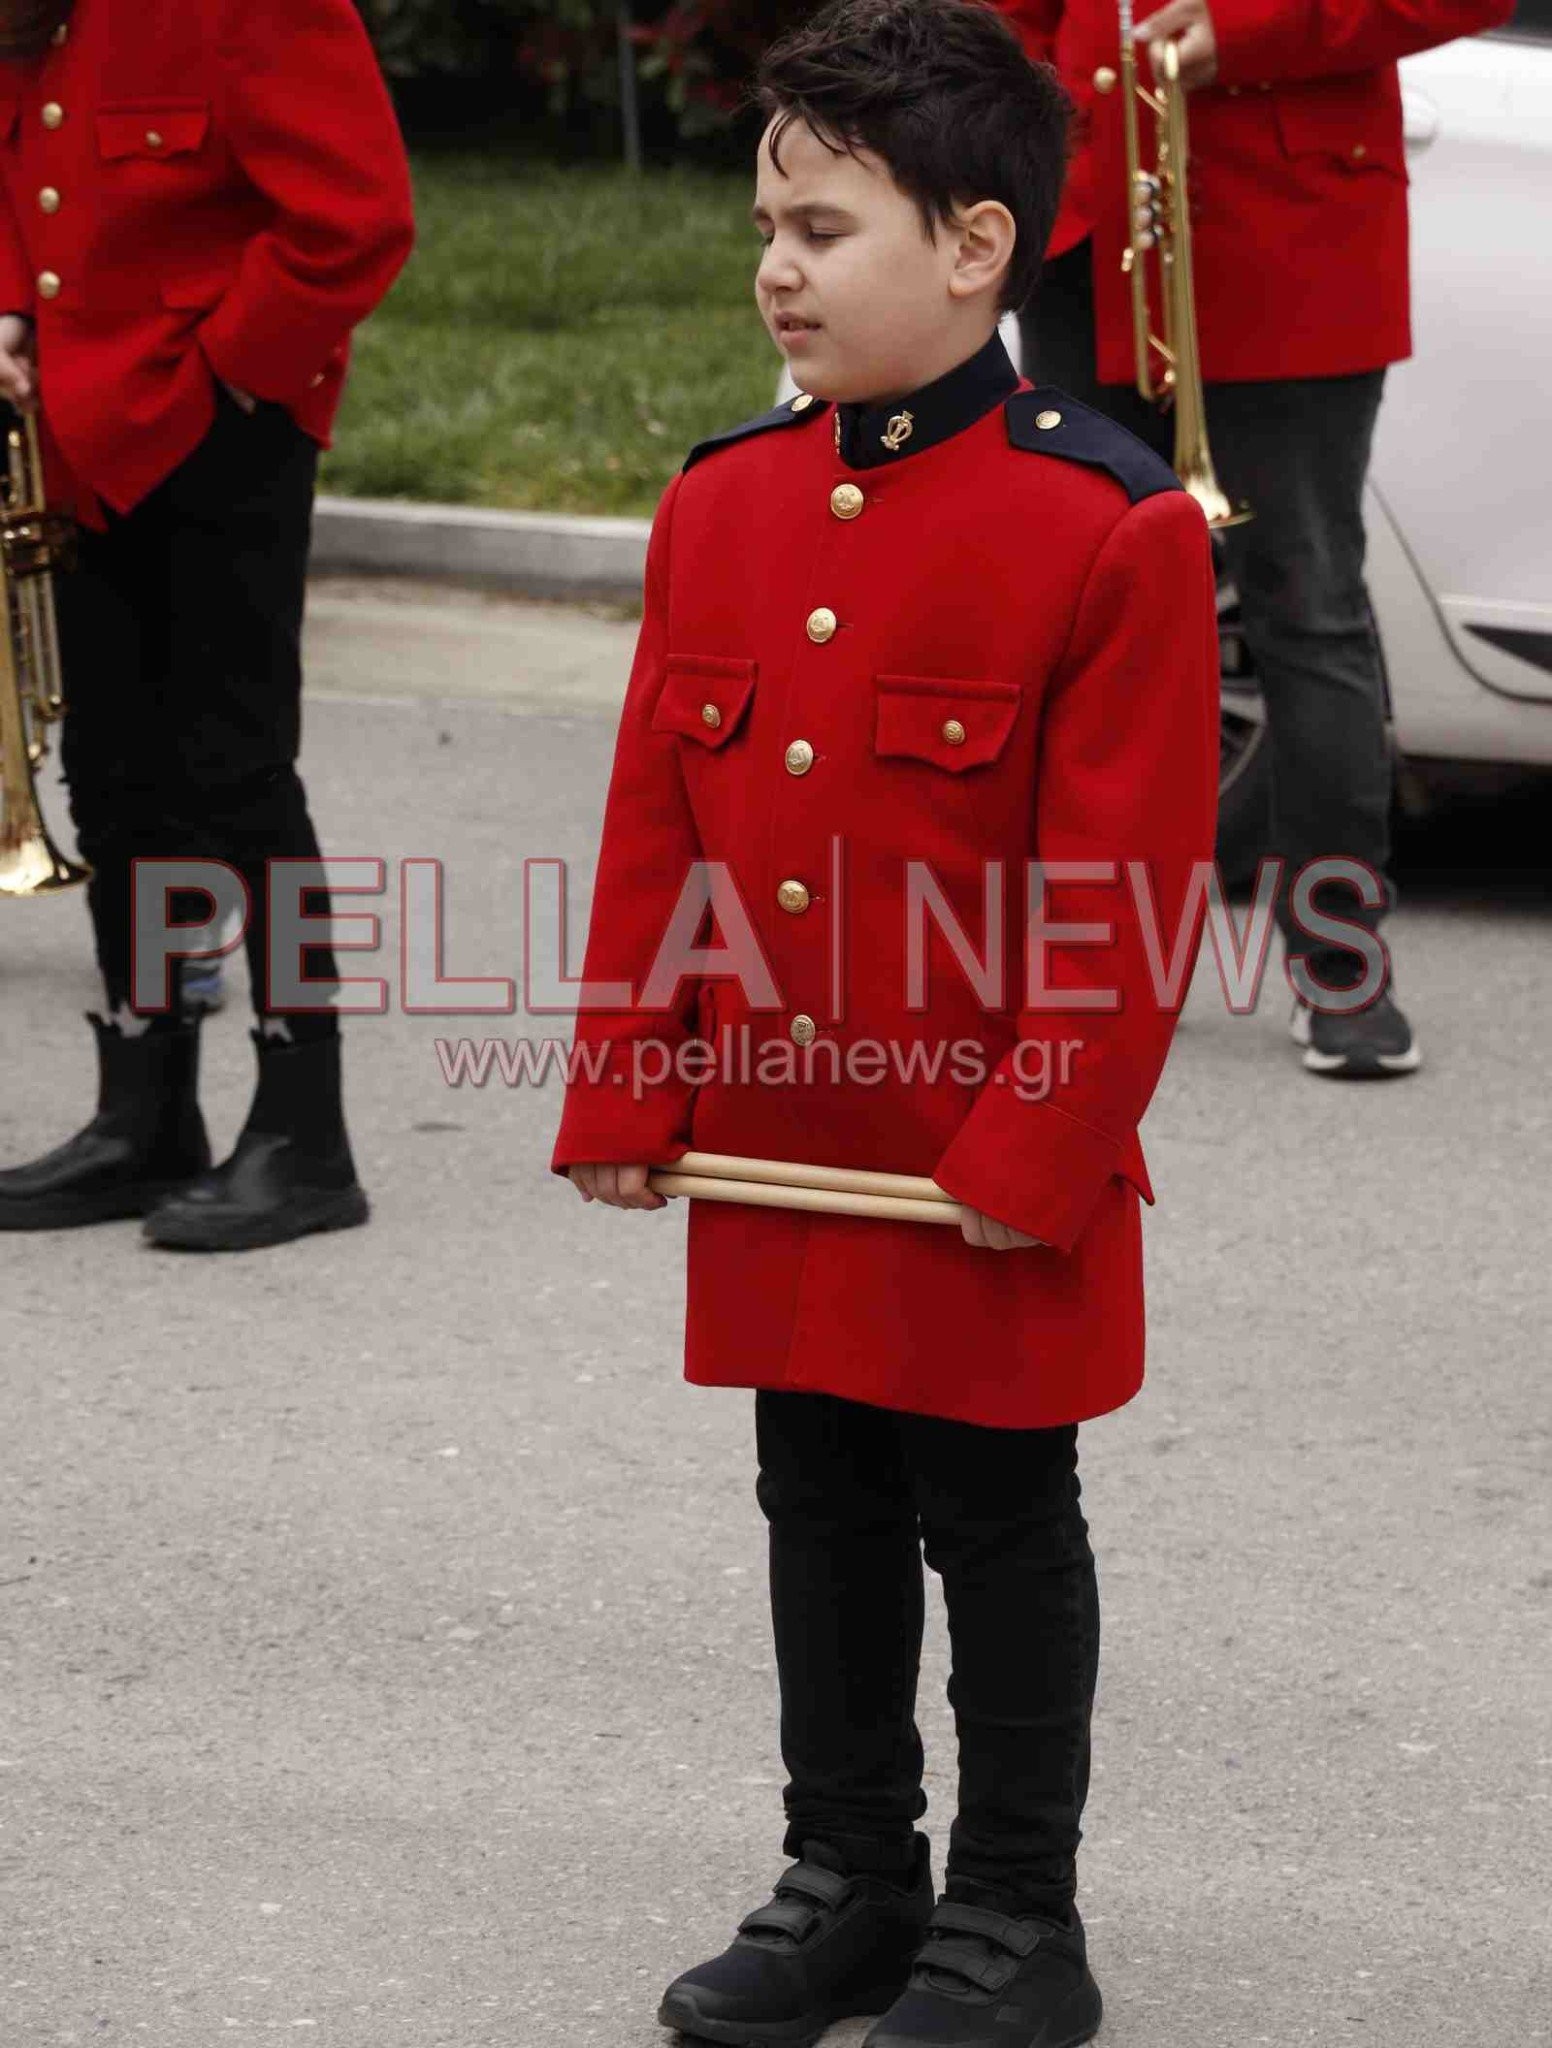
{"x":704,"y":697}
{"x":951,"y":723}
{"x":152,"y":131}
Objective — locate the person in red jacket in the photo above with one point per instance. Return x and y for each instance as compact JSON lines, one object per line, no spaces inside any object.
{"x":1299,"y":217}
{"x":198,"y":203}
{"x":945,"y":799}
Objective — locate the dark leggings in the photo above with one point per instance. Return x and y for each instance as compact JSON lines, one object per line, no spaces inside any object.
{"x":180,"y":641}
{"x":854,"y":1495}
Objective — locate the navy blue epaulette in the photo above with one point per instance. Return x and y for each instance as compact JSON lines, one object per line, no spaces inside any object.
{"x":792,"y":412}
{"x":1048,"y":421}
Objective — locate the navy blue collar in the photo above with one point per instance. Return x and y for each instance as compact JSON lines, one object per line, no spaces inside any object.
{"x":867,"y":436}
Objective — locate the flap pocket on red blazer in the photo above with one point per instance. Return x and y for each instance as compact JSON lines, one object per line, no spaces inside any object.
{"x":1352,"y":121}
{"x":704,"y":697}
{"x":951,"y":723}
{"x":152,"y":130}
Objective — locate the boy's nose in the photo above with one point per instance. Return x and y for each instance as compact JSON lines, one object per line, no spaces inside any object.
{"x":778,"y":272}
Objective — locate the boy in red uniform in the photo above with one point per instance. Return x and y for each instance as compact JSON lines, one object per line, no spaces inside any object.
{"x":197,"y":206}
{"x":902,"y":636}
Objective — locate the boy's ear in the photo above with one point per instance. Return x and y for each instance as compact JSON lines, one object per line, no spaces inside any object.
{"x":985,"y":234}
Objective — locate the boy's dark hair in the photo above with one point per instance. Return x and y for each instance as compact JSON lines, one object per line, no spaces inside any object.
{"x":941,"y":90}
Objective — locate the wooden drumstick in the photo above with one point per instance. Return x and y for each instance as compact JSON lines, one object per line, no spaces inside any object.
{"x":794,"y":1195}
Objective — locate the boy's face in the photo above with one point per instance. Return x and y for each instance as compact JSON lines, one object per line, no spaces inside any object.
{"x":858,"y":298}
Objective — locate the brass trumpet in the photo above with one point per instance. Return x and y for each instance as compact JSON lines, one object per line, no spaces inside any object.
{"x":1159,"y":219}
{"x":33,"y":542}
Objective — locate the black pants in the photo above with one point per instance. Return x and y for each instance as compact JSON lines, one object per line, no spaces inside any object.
{"x":180,"y":644}
{"x":854,"y":1494}
{"x":1297,"y":449}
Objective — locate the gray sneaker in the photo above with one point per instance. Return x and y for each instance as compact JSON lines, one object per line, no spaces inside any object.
{"x":1356,"y":1045}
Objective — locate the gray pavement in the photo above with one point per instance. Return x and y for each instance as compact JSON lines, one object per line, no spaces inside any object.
{"x":385,"y":1646}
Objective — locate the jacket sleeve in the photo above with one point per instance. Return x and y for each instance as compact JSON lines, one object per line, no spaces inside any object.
{"x":314,"y":131}
{"x":612,"y":1111}
{"x":1268,"y":40}
{"x":1128,"y":774}
{"x":18,"y":292}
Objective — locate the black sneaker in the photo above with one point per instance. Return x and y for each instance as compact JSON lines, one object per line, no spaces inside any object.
{"x":1356,"y":1045}
{"x":828,"y":1945}
{"x":986,"y":1979}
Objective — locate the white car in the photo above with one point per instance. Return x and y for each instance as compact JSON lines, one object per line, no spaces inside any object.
{"x":1458,"y":510}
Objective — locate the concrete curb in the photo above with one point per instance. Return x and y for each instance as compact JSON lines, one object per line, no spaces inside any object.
{"x":534,"y":554}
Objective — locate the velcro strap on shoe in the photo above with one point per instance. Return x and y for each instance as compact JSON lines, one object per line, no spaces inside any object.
{"x":829,"y":1887}
{"x":1017,"y":1936}
{"x":791,"y":1917}
{"x":967,"y":1959}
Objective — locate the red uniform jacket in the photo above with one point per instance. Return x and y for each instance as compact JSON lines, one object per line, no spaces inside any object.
{"x":189,"y":186}
{"x":982,"y":651}
{"x":1297,"y":174}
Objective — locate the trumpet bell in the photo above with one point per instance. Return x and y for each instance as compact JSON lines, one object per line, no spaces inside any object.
{"x":32,"y":865}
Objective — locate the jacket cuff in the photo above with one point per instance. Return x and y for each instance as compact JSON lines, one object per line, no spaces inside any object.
{"x":616,"y":1118}
{"x":1044,"y":1178}
{"x":278,"y":350}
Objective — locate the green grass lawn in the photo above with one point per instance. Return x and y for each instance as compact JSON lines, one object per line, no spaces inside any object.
{"x":558,"y":340}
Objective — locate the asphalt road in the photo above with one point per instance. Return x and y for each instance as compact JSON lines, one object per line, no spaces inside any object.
{"x":386,"y":1653}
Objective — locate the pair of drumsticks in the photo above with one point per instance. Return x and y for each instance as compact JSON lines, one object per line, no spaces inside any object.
{"x":786,"y":1184}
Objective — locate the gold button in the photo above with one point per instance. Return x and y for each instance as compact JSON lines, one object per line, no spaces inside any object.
{"x":53,"y":115}
{"x":1046,"y":420}
{"x":1359,"y":151}
{"x":1104,"y":79}
{"x":800,"y":757}
{"x":710,"y":715}
{"x":48,"y":199}
{"x":61,"y":35}
{"x":804,"y":1030}
{"x":314,"y":382}
{"x":803,"y":401}
{"x":792,"y":896}
{"x":821,"y":624}
{"x":153,"y":139}
{"x":846,"y":501}
{"x":48,"y":285}
{"x":953,"y":732}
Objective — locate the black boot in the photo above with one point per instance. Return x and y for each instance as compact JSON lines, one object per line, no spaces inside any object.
{"x":291,"y":1172}
{"x":146,"y":1138}
{"x":830,"y":1943}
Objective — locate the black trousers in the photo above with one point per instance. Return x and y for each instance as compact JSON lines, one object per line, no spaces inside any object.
{"x":180,"y":644}
{"x":1297,"y":449}
{"x":854,"y":1496}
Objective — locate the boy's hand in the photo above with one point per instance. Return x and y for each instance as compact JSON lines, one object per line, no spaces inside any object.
{"x":1190,"y":23}
{"x":18,"y":375}
{"x":622,"y":1187}
{"x":979,"y":1229}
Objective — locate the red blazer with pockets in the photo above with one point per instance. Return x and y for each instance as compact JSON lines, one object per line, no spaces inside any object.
{"x":999,"y":647}
{"x":192,"y":189}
